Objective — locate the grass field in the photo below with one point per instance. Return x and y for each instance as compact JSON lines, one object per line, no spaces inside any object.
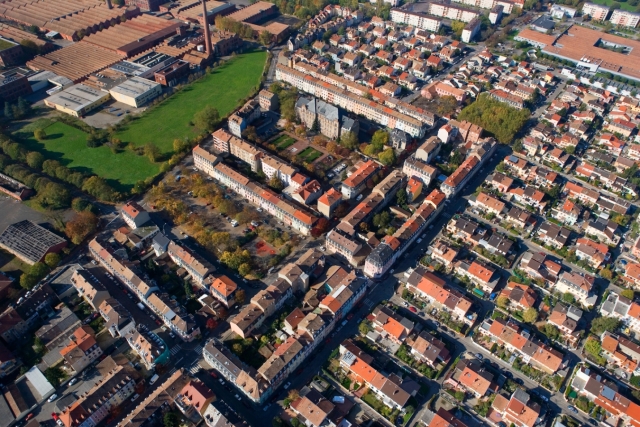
{"x":69,"y":146}
{"x":309,"y":154}
{"x":623,"y":5}
{"x":283,"y":142}
{"x":222,"y":89}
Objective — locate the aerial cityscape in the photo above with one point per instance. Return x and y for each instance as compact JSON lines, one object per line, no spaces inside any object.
{"x":319,"y":213}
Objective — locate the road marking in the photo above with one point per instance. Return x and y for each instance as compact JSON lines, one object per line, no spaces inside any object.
{"x":175,"y":350}
{"x":198,"y":349}
{"x":172,"y":371}
{"x":195,"y":369}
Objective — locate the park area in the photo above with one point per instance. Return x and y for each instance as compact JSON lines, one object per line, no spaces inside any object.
{"x":223,"y":89}
{"x":68,"y":145}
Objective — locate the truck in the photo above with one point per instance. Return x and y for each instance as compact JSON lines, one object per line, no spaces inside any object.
{"x":140,"y":306}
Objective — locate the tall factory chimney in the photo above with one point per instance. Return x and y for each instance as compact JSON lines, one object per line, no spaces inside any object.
{"x":109,"y":4}
{"x":207,"y":34}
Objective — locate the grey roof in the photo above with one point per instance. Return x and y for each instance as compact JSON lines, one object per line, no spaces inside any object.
{"x":5,"y":413}
{"x":161,"y":241}
{"x":29,"y":240}
{"x":544,"y":22}
{"x":348,"y":124}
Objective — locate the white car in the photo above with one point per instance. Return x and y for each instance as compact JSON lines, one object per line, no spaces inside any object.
{"x":73,"y":381}
{"x":52,"y":397}
{"x":135,"y":396}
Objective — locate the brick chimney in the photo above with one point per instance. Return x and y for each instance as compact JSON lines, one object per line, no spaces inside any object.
{"x":207,"y":34}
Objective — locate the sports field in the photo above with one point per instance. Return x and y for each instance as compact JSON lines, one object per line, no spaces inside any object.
{"x":223,"y":89}
{"x":69,"y":146}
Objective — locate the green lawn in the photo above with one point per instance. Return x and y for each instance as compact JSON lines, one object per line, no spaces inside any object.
{"x":223,"y":89}
{"x":309,"y":154}
{"x":69,"y":146}
{"x":283,"y":142}
{"x":623,"y":5}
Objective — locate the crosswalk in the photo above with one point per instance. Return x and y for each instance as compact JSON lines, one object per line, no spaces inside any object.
{"x":195,"y":369}
{"x":175,"y":350}
{"x":172,"y":371}
{"x":368,"y":302}
{"x":198,"y":349}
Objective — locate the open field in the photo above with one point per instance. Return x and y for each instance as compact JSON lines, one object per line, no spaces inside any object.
{"x":623,"y":5}
{"x":309,"y":154}
{"x":223,"y":89}
{"x":69,"y":146}
{"x":283,"y":142}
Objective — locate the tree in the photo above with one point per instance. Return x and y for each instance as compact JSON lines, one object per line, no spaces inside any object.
{"x":380,"y":138}
{"x":457,"y":27}
{"x":496,"y":117}
{"x":332,"y":147}
{"x":551,"y":331}
{"x":180,"y":145}
{"x":27,"y":281}
{"x":349,"y":140}
{"x":381,"y":220}
{"x":152,"y":152}
{"x":502,"y":301}
{"x":171,"y":419}
{"x":39,"y":134}
{"x":606,"y":273}
{"x":8,"y":113}
{"x":568,"y":298}
{"x":236,"y":258}
{"x":240,"y":296}
{"x":80,"y":205}
{"x":54,"y":375}
{"x":244,"y":269}
{"x":207,"y":119}
{"x":530,"y":316}
{"x":82,"y":225}
{"x":387,"y":157}
{"x":211,"y":323}
{"x":602,"y":324}
{"x":52,"y":259}
{"x":628,"y":293}
{"x":401,"y":198}
{"x":265,"y":37}
{"x":593,"y":347}
{"x":35,"y":160}
{"x":276,"y":183}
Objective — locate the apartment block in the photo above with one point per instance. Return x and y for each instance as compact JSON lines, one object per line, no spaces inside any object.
{"x":624,"y":18}
{"x":597,"y":12}
{"x":204,"y":160}
{"x":134,"y":215}
{"x":415,"y":19}
{"x":357,"y":180}
{"x":197,"y":267}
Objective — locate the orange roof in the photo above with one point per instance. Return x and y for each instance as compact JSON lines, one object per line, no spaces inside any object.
{"x":471,"y":380}
{"x":414,"y":185}
{"x":362,"y":173}
{"x":132,"y":209}
{"x":480,"y":271}
{"x":363,"y":370}
{"x":609,"y":344}
{"x":394,"y":328}
{"x":330,"y":197}
{"x":634,"y":311}
{"x":224,"y":285}
{"x":436,"y":197}
{"x":306,"y":219}
{"x":393,"y":242}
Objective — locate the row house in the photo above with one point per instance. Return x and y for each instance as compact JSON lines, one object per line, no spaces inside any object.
{"x":481,"y":274}
{"x":174,"y":316}
{"x":582,"y":194}
{"x":265,"y":199}
{"x":521,"y":297}
{"x":204,"y":160}
{"x":519,"y":341}
{"x":443,"y":252}
{"x":511,"y":100}
{"x":197,"y":267}
{"x":350,"y":101}
{"x":568,"y":213}
{"x":624,"y":309}
{"x":499,"y":181}
{"x":604,"y":230}
{"x":120,"y":270}
{"x":392,"y":391}
{"x":469,"y":375}
{"x":89,"y":288}
{"x":542,"y":177}
{"x":151,"y":350}
{"x":357,"y":180}
{"x":392,"y":247}
{"x":554,"y":235}
{"x":604,"y":393}
{"x":519,"y":409}
{"x":621,"y":352}
{"x":436,"y":292}
{"x":520,"y":218}
{"x":118,"y":320}
{"x":594,"y":253}
{"x":82,"y":349}
{"x":390,"y":325}
{"x":578,"y":285}
{"x":462,"y":228}
{"x":529,"y":196}
{"x":517,"y":166}
{"x":488,"y":204}
{"x":429,"y":349}
{"x":566,"y":318}
{"x":113,"y":390}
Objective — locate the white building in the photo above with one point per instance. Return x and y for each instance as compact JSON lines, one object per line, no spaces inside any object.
{"x":134,"y":215}
{"x":418,"y":20}
{"x":624,"y":18}
{"x":204,"y":160}
{"x":559,"y":11}
{"x":136,"y":91}
{"x":77,"y":100}
{"x":597,"y":12}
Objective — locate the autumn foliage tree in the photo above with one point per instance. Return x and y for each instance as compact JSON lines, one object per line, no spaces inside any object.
{"x":82,"y":225}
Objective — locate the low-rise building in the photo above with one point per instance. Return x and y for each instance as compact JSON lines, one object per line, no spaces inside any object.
{"x":578,"y":285}
{"x":136,"y":91}
{"x":82,"y":350}
{"x":134,"y":215}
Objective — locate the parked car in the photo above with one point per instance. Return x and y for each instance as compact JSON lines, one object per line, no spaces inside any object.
{"x":52,"y":397}
{"x":73,"y":381}
{"x":135,"y":396}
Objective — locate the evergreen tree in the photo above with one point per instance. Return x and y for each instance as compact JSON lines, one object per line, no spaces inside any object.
{"x":7,"y":111}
